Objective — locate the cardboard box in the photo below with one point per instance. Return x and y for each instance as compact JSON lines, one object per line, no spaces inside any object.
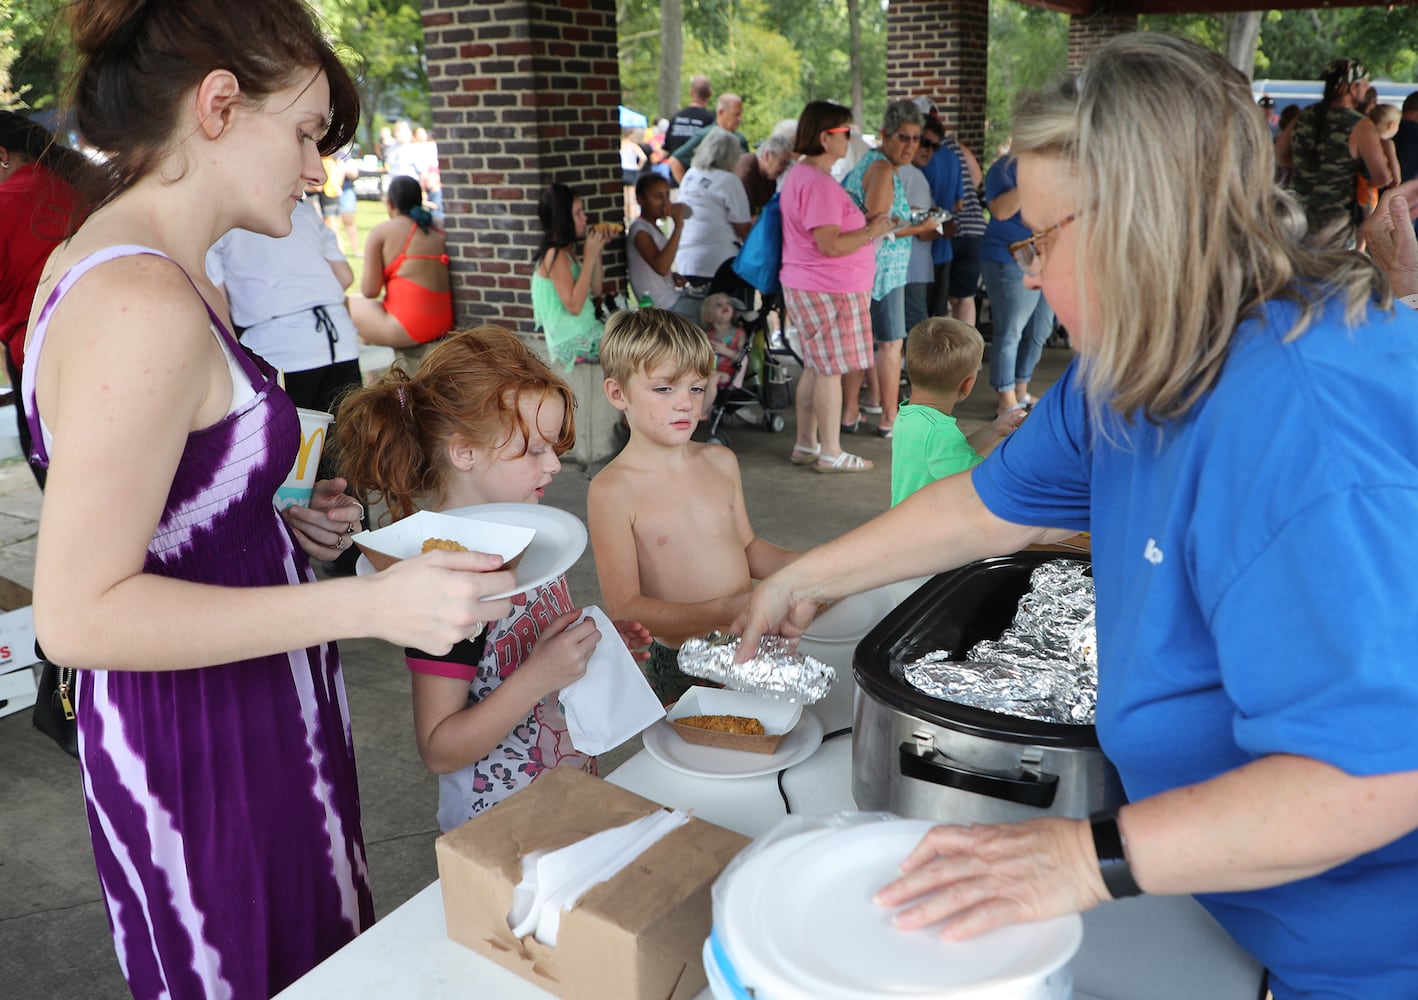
{"x":638,"y":936}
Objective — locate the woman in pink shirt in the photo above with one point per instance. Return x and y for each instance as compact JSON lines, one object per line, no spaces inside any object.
{"x":829,"y":264}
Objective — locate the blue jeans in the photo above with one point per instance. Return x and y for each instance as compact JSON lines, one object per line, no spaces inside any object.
{"x":1015,"y":312}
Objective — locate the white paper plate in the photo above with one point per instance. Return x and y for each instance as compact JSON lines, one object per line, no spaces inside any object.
{"x":852,"y":617}
{"x":404,"y":539}
{"x":808,"y":916}
{"x":559,"y":541}
{"x":710,"y":762}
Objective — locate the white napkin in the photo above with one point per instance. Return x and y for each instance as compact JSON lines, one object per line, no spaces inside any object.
{"x":553,"y":881}
{"x":613,"y":701}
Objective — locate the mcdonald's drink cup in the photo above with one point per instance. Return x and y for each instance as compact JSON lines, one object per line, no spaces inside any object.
{"x":300,"y":484}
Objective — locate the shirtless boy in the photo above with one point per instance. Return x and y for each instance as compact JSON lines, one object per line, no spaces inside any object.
{"x":669,"y":528}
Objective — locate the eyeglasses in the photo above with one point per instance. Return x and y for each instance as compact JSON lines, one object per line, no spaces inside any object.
{"x":1027,"y":253}
{"x":928,"y":144}
{"x":902,"y":137}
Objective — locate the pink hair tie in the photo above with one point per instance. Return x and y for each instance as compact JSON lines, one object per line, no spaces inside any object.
{"x":403,"y":403}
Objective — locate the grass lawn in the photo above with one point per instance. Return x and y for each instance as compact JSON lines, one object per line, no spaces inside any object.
{"x":367,"y":215}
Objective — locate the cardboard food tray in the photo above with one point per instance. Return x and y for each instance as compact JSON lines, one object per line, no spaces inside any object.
{"x":635,"y":937}
{"x":778,"y":718}
{"x":404,"y":539}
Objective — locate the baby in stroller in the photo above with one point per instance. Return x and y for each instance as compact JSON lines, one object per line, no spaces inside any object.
{"x":749,"y":373}
{"x":721,"y":321}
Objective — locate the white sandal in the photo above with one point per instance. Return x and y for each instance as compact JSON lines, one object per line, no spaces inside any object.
{"x":804,"y":456}
{"x":844,"y":462}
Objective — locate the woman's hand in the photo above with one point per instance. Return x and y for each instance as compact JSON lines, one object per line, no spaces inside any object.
{"x":562,"y":651}
{"x":976,"y":878}
{"x":773,"y":609}
{"x":324,"y":528}
{"x":435,"y":600}
{"x":637,"y":639}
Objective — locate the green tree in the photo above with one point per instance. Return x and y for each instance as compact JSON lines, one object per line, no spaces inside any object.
{"x":1028,"y":48}
{"x":718,"y":36}
{"x":37,"y":49}
{"x":759,"y":65}
{"x":382,"y":42}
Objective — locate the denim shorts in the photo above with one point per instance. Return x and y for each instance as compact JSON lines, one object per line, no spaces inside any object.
{"x":888,"y":316}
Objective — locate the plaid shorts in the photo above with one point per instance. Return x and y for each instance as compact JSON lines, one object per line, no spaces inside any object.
{"x":834,"y":328}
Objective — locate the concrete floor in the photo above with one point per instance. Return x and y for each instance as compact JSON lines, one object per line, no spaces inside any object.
{"x":54,"y":940}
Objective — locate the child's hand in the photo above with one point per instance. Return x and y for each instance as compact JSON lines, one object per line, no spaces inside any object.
{"x":637,"y":639}
{"x":562,"y":651}
{"x":596,"y":239}
{"x":1008,"y":422}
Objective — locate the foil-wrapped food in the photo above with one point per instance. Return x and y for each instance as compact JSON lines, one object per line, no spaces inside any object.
{"x":1045,"y":665}
{"x":775,"y":671}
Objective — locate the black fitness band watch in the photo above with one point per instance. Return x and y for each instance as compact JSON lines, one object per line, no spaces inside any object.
{"x":1112,"y":859}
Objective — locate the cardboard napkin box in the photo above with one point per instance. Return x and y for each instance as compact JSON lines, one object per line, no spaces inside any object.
{"x":638,"y":936}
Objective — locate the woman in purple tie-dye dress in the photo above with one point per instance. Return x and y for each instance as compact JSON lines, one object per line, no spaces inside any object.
{"x":214,"y":736}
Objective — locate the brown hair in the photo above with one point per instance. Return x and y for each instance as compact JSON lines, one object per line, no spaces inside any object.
{"x":390,"y":436}
{"x":942,"y":352}
{"x":138,"y":58}
{"x":818,"y":117}
{"x":637,"y":340}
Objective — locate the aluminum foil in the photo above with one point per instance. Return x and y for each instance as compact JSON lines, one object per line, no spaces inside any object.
{"x":776,"y":671}
{"x":1045,"y":665}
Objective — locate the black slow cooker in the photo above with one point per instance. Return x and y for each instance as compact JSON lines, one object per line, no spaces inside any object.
{"x":923,"y":757}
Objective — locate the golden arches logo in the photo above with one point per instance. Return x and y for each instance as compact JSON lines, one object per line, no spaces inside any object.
{"x":308,"y":445}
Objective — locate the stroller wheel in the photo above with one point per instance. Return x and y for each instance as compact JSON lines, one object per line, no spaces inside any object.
{"x":774,"y":423}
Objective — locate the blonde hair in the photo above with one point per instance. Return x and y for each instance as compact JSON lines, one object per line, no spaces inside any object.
{"x":1384,"y":115}
{"x":1182,"y":232}
{"x":942,"y":352}
{"x":710,"y":301}
{"x":390,"y":437}
{"x":637,"y":340}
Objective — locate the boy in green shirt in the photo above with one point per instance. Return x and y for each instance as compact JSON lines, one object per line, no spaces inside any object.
{"x":942,"y":359}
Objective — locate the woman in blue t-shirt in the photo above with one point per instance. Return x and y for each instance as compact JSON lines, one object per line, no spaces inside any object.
{"x":1021,"y":319}
{"x":1252,"y":534}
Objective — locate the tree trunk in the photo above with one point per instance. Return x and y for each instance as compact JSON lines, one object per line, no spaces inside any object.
{"x":671,"y":55}
{"x":854,"y":25}
{"x":1242,"y":36}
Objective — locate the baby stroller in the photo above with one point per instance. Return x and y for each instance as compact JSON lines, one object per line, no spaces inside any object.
{"x":760,"y":384}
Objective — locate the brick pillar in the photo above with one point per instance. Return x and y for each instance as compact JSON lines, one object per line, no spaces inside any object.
{"x":939,"y":49}
{"x":1088,"y":31}
{"x":522,"y":94}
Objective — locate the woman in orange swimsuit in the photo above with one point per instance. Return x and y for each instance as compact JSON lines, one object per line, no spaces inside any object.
{"x":405,"y":258}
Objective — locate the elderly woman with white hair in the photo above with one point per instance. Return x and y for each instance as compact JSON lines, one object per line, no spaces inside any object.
{"x":719,"y":216}
{"x":761,"y":170}
{"x":1251,"y":521}
{"x":876,"y":187}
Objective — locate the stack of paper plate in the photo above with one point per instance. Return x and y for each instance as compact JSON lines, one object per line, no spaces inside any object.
{"x":798,"y":923}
